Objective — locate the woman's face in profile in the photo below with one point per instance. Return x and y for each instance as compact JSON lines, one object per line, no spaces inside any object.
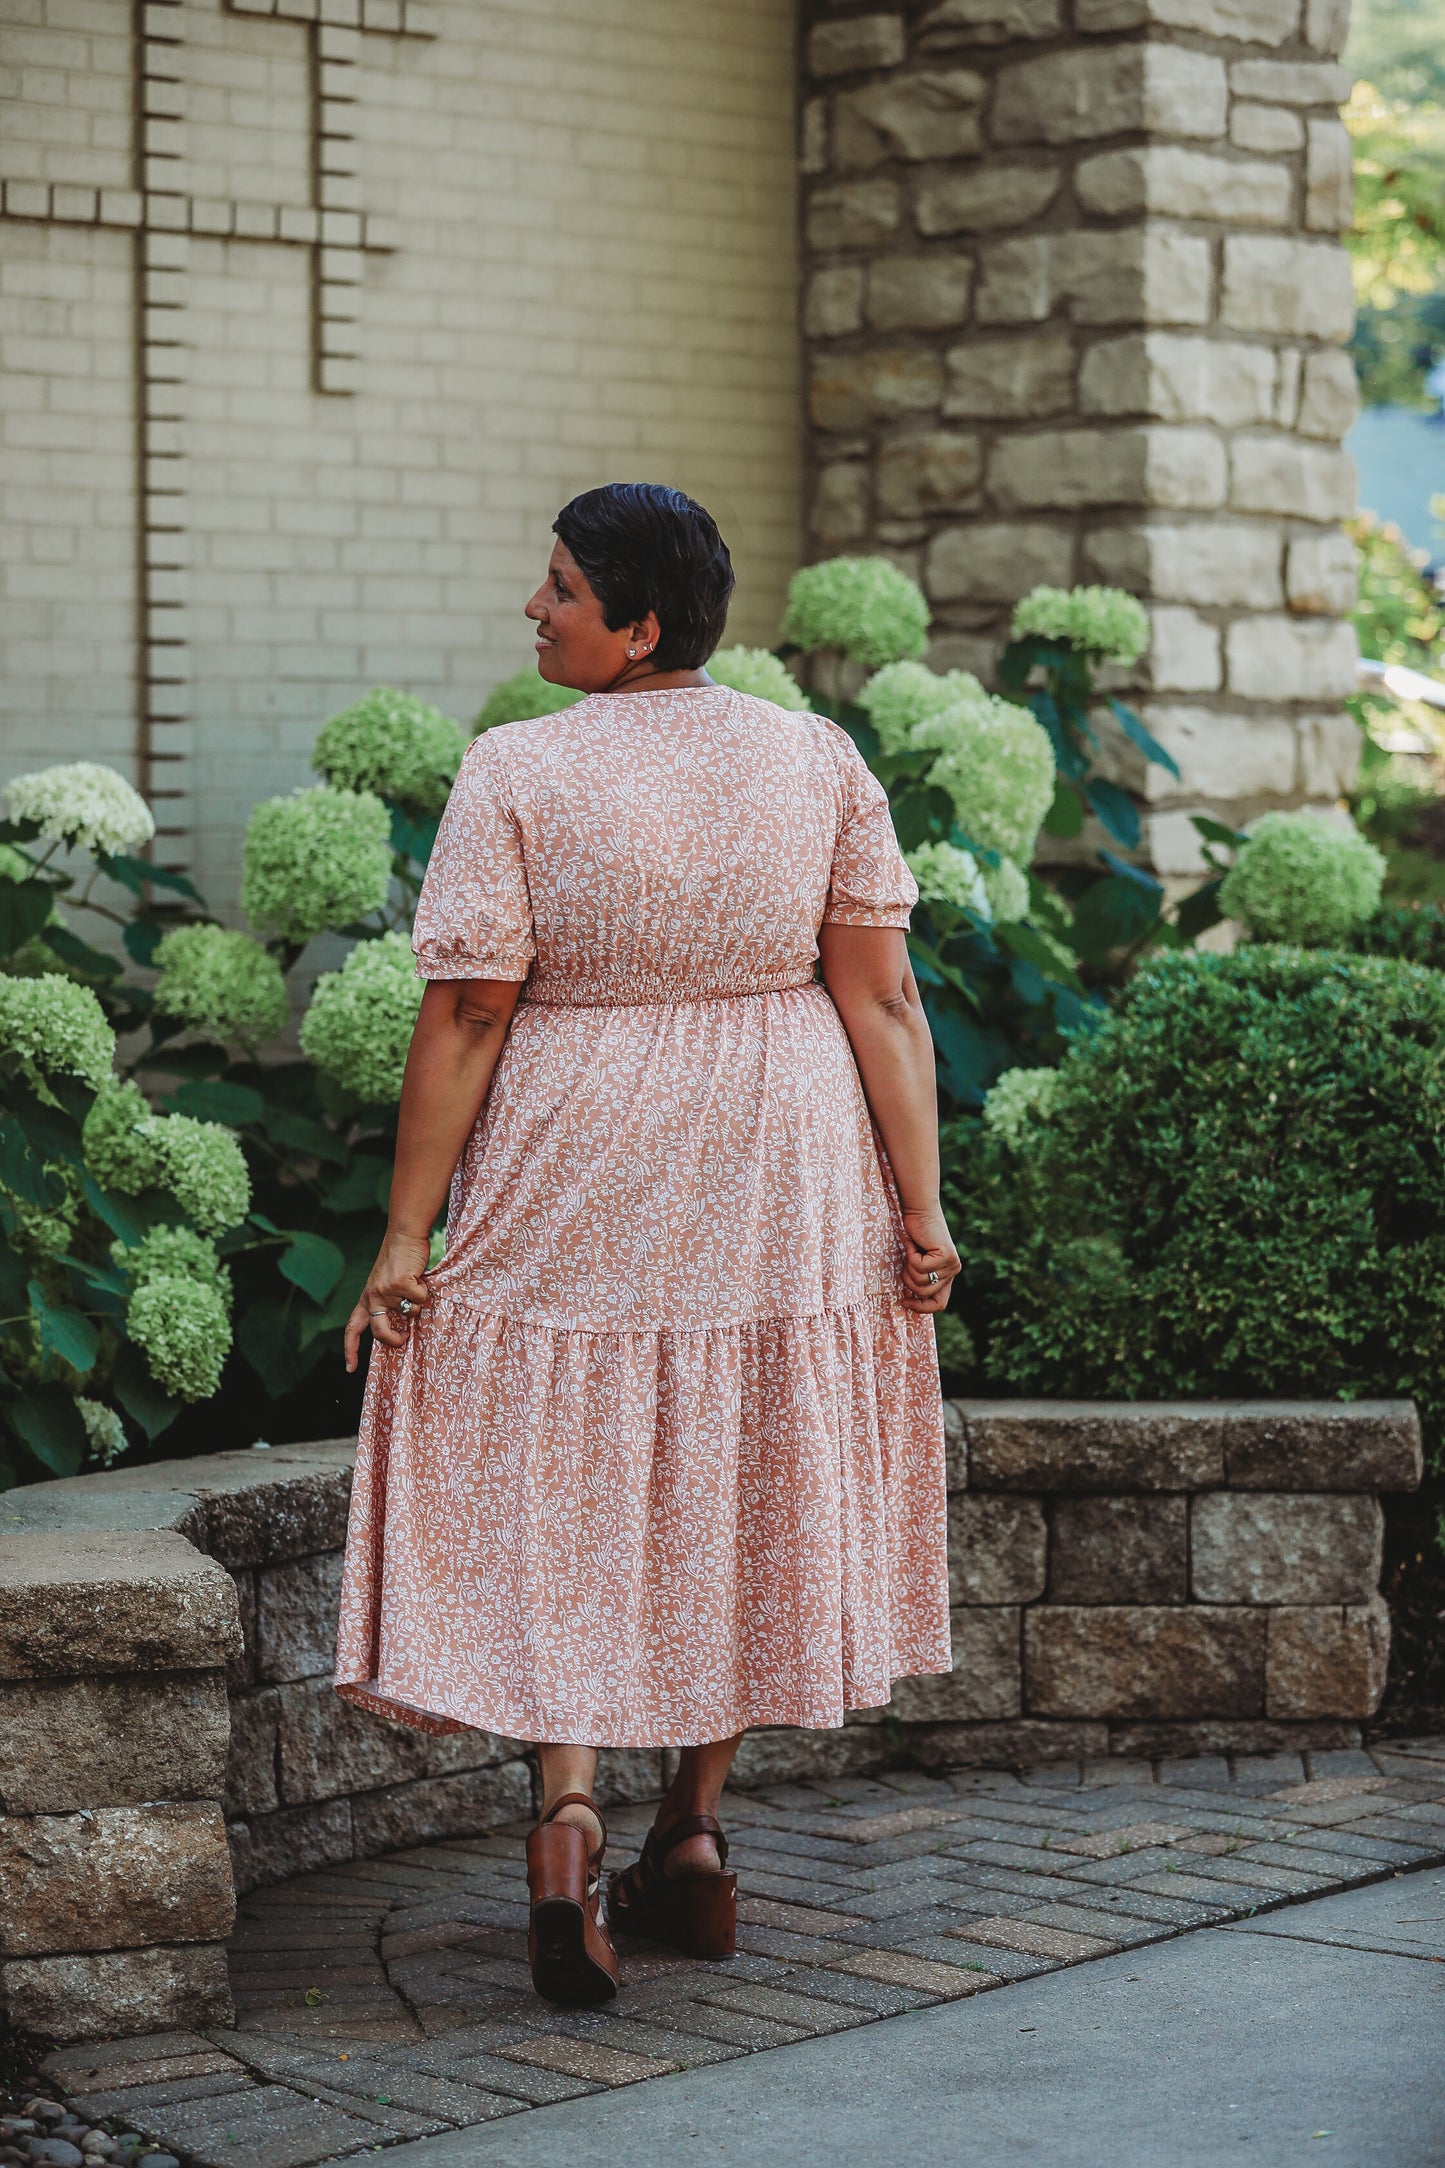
{"x":574,"y":646}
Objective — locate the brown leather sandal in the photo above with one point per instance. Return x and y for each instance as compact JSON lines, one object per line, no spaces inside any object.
{"x":573,"y":1961}
{"x":697,"y":1913}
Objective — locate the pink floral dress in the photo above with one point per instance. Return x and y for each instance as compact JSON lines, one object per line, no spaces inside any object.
{"x":663,"y":1458}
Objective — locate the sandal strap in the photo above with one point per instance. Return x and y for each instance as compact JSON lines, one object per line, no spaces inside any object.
{"x":579,"y":1799}
{"x":691,"y":1825}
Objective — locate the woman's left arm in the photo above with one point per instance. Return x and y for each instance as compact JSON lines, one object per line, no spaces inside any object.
{"x":454,"y":1048}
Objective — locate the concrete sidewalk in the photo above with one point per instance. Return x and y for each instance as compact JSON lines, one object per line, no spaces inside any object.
{"x":1315,"y":2034}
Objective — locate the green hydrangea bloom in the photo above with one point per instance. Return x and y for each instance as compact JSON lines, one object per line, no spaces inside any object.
{"x":118,"y":1153}
{"x":946,"y":874}
{"x":104,"y":1429}
{"x":518,"y":698}
{"x":1007,"y":889}
{"x":1020,"y":1098}
{"x":39,"y":1232}
{"x":393,"y":744}
{"x":82,"y":803}
{"x":222,"y":983}
{"x":359,"y":1024}
{"x":1303,"y":879}
{"x":1103,"y":621}
{"x":183,"y":1331}
{"x":902,"y":695}
{"x":203,"y":1167}
{"x":955,"y":1342}
{"x":174,"y":1253}
{"x":757,"y":670}
{"x":861,"y":607}
{"x":316,"y":860}
{"x":997,"y":765}
{"x":55,"y":1028}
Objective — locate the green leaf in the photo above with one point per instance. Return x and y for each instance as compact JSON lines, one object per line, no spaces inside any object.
{"x":64,"y":1332}
{"x":214,"y":1101}
{"x":24,"y":908}
{"x":268,"y":1335}
{"x":1216,"y":832}
{"x":313,"y":1264}
{"x":79,"y":954}
{"x":855,"y":722}
{"x":19,"y":831}
{"x":1138,"y":874}
{"x":1112,"y":914}
{"x":23,"y":1173}
{"x":200,"y":1060}
{"x":139,"y":1394}
{"x":50,"y":1423}
{"x":136,"y":873}
{"x":1029,"y":946}
{"x":1199,"y":911}
{"x":1065,"y":817}
{"x":922,"y":814}
{"x":1116,"y":810}
{"x":14,"y":1283}
{"x":411,"y":838}
{"x":1136,"y":733}
{"x":355,"y":1190}
{"x":130,"y":1219}
{"x":914,"y":763}
{"x":142,"y":937}
{"x":300,"y":1134}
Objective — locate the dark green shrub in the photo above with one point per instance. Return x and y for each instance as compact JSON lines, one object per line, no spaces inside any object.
{"x":1237,"y":1187}
{"x":1414,"y":936}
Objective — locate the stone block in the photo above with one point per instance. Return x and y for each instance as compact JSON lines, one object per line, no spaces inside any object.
{"x":934,"y":115}
{"x":1329,"y":177}
{"x":1093,"y":1446}
{"x":241,"y":1671}
{"x":251,"y":1769}
{"x":1222,"y":755}
{"x":800,"y":1757}
{"x":1223,"y":564}
{"x":1323,"y":1445}
{"x":114,"y":1878}
{"x":986,"y":1682}
{"x":1143,"y":1661}
{"x":1141,"y":275}
{"x":466,"y":1805}
{"x":834,"y":302}
{"x":111,"y":1741}
{"x":1268,"y":1547}
{"x":328,"y":1746}
{"x":296,"y":1606}
{"x":1268,"y":128}
{"x":919,"y":293}
{"x":1230,"y":1735}
{"x":122,"y":1601}
{"x":934,"y":470}
{"x":1327,"y":25}
{"x":1253,"y":22}
{"x":997,"y":1549}
{"x":1330,"y":398}
{"x":840,"y":504}
{"x":1286,"y":287}
{"x":1119,"y":1550}
{"x":960,"y":24}
{"x":259,"y":1517}
{"x":1281,"y":475}
{"x":1290,"y":82}
{"x":1024,"y":1744}
{"x":1291,"y":658}
{"x":849,"y":391}
{"x":1321,"y":575}
{"x":117,"y":1993}
{"x":1015,"y":283}
{"x":1066,"y":469}
{"x":813,"y":137}
{"x":853,"y":214}
{"x":1329,"y":755}
{"x":626,"y":1773}
{"x":270,"y":1848}
{"x":993,"y":561}
{"x":1328,"y":1661}
{"x":1176,"y":378}
{"x":955,"y":1444}
{"x":1023,"y":377}
{"x":1078,"y":95}
{"x":858,"y":42}
{"x":1183,"y":651}
{"x":1171,"y":181}
{"x":985,"y":199}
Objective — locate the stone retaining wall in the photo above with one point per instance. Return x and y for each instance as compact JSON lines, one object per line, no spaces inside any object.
{"x":1126,"y":1580}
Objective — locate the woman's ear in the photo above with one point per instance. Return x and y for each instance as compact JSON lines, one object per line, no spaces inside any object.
{"x":643,"y":634}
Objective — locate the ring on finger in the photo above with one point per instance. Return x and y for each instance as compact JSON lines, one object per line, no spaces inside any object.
{"x":933,"y":1279}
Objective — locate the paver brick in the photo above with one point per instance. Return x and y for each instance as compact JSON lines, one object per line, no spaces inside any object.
{"x":587,"y":2059}
{"x":1110,"y":1843}
{"x":900,"y":1968}
{"x":1038,"y":1941}
{"x":804,"y":2011}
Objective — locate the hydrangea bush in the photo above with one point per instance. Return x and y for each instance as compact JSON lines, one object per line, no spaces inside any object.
{"x":1299,"y":877}
{"x":757,"y":670}
{"x":223,"y":984}
{"x":316,"y":862}
{"x":393,"y":746}
{"x":520,"y":696}
{"x":359,"y":1024}
{"x":863,"y":609}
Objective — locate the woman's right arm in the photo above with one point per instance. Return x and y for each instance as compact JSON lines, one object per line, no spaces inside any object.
{"x":459,"y":1034}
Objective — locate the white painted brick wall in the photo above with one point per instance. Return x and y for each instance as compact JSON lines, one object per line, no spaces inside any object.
{"x":594,"y":277}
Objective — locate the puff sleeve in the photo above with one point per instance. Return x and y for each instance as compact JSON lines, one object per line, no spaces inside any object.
{"x":869,"y":885}
{"x":474,"y":915}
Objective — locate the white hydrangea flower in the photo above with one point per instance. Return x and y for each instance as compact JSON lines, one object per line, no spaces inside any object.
{"x":104,"y":1429}
{"x":945,"y":874}
{"x":80,"y":802}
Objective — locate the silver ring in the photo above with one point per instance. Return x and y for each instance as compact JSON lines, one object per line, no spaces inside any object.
{"x":376,"y":1313}
{"x":933,"y":1279}
{"x":405,"y":1307}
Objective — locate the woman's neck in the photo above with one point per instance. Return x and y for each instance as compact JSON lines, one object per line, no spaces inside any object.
{"x":637,"y":678}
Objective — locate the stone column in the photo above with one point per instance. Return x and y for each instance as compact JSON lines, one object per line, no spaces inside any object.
{"x":1074,"y":303}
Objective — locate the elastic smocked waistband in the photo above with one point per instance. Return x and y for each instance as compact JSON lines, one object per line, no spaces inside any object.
{"x":657,"y":998}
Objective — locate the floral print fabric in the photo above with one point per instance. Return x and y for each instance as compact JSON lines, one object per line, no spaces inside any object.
{"x":664,"y":1457}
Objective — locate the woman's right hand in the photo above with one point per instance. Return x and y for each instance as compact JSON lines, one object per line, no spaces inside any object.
{"x":396,"y":1277}
{"x":931,"y":1263}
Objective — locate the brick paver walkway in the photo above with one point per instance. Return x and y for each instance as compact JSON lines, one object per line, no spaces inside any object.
{"x":390,"y":1998}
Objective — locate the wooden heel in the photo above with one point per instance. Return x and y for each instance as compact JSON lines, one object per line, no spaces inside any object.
{"x":573,"y":1961}
{"x":695,"y":1913}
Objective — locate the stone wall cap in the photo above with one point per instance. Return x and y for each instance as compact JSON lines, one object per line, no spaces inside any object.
{"x":73,"y":1602}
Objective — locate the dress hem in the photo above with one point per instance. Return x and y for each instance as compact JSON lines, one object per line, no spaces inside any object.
{"x":573,"y":1730}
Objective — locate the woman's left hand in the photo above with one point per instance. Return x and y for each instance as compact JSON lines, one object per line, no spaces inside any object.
{"x":396,"y":1277}
{"x":931,"y":1263}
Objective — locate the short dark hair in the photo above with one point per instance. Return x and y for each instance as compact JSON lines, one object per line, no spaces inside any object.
{"x":644,"y":547}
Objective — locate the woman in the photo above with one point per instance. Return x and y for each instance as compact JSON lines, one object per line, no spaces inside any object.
{"x":655,"y":1453}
